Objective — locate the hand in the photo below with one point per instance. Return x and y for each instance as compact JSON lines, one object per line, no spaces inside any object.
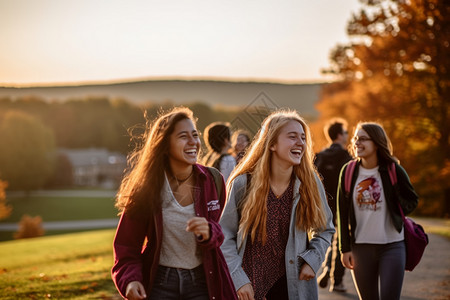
{"x":306,"y":272}
{"x":347,"y":260}
{"x":200,"y":227}
{"x":135,"y":290}
{"x":246,"y":292}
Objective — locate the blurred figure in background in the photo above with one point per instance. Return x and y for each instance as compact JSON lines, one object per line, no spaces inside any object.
{"x":217,"y":137}
{"x":167,"y":243}
{"x":329,"y":163}
{"x":240,"y":142}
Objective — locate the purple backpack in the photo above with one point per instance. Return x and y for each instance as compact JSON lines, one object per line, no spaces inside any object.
{"x":415,"y":237}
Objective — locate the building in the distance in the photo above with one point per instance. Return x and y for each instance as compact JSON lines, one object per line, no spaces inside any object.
{"x":95,"y":167}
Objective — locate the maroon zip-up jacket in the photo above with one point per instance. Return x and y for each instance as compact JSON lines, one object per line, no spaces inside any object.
{"x":135,"y":260}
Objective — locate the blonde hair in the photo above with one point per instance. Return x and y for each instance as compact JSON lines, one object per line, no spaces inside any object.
{"x":257,"y":161}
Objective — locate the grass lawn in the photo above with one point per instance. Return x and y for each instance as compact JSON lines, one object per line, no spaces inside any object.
{"x":62,"y":208}
{"x":59,"y":209}
{"x":70,"y":266}
{"x":77,"y":265}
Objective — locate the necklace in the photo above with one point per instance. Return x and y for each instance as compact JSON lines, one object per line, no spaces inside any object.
{"x":185,"y":197}
{"x":181,"y":181}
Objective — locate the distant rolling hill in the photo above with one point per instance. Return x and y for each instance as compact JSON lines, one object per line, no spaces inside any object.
{"x":301,"y":97}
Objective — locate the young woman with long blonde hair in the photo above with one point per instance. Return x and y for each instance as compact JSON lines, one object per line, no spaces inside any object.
{"x":167,"y":244}
{"x":277,"y":223}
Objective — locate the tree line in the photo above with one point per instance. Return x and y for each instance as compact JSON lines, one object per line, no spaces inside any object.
{"x":32,"y":129}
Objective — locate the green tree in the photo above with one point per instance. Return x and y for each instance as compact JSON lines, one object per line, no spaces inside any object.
{"x":396,"y":71}
{"x":27,"y":152}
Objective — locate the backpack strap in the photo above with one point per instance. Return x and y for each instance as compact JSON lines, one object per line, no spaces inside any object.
{"x":393,"y":178}
{"x":392,"y":173}
{"x":217,"y":180}
{"x":348,"y":175}
{"x":242,"y":194}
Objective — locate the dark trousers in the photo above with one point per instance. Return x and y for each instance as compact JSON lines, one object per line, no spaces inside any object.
{"x":279,"y":290}
{"x":176,"y":284}
{"x":335,"y":269}
{"x":379,"y":270}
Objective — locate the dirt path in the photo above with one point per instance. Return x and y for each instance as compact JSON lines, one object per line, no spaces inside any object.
{"x":430,"y":280}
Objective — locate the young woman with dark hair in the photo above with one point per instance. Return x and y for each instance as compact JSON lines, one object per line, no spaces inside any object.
{"x":369,"y":221}
{"x":217,"y":137}
{"x":167,"y":244}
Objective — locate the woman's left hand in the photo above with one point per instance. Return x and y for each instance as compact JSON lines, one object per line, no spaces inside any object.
{"x":306,"y":272}
{"x":199,"y":227}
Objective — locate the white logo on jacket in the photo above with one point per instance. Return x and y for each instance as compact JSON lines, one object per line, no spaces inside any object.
{"x":213,"y":205}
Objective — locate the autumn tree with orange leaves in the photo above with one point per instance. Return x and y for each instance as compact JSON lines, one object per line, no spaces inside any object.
{"x":396,"y":70}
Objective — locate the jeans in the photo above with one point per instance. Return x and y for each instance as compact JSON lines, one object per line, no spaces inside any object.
{"x":378,"y":270}
{"x":180,"y":284}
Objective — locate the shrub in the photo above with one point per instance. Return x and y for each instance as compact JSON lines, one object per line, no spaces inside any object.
{"x":29,"y":227}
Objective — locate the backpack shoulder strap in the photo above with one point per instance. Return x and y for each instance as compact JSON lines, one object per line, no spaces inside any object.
{"x":348,"y":175}
{"x":217,"y":180}
{"x":392,"y":173}
{"x":242,"y":194}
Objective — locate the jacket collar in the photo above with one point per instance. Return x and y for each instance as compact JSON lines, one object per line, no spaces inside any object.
{"x":200,"y":171}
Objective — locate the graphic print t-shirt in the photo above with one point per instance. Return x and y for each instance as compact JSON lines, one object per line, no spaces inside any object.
{"x":373,"y":222}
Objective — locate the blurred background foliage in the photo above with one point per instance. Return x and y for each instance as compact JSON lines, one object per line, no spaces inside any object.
{"x":394,"y":71}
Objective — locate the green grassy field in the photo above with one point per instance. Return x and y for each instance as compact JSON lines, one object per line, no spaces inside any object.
{"x":70,"y":266}
{"x":62,"y":208}
{"x":59,"y":209}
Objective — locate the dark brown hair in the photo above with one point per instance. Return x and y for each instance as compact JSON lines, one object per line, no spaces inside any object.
{"x":141,"y":187}
{"x":380,"y":139}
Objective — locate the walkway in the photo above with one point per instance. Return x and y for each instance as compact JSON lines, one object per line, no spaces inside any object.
{"x":430,"y":280}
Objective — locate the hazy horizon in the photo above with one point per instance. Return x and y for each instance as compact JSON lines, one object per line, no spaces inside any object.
{"x":96,"y":41}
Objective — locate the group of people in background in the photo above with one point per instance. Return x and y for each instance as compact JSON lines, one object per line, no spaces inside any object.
{"x":225,"y":150}
{"x":257,"y":218}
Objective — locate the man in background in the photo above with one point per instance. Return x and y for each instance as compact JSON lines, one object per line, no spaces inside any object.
{"x":329,"y":163}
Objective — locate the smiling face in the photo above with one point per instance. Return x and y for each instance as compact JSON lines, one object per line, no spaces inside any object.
{"x":184,"y":144}
{"x":290,"y":146}
{"x":241,"y":143}
{"x":363,"y":145}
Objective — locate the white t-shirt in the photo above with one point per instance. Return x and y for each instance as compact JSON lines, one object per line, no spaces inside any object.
{"x":373,"y":222}
{"x":179,"y":247}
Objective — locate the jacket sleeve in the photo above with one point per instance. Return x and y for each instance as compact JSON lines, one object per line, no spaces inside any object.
{"x":343,"y":208}
{"x":128,"y":242}
{"x":215,"y":231}
{"x":320,"y":237}
{"x":407,"y":195}
{"x":229,"y":222}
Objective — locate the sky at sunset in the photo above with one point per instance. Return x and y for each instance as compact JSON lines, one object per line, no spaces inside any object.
{"x":72,"y":41}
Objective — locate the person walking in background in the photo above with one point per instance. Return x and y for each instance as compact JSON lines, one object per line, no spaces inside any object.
{"x":275,"y":203}
{"x":217,"y":137}
{"x":329,"y":163}
{"x":240,"y":142}
{"x":369,"y":220}
{"x":167,"y":243}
